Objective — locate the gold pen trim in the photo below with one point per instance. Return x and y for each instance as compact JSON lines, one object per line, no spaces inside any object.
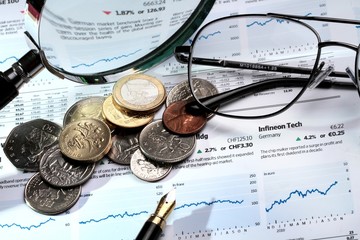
{"x":158,"y":221}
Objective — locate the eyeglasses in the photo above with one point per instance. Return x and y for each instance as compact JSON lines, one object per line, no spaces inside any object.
{"x":263,"y":63}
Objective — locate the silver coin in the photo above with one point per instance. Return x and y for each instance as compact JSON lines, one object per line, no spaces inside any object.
{"x":147,"y":170}
{"x":159,"y":144}
{"x":90,"y":107}
{"x":181,"y":91}
{"x":46,"y":199}
{"x":28,"y":142}
{"x":124,"y":143}
{"x":56,"y":170}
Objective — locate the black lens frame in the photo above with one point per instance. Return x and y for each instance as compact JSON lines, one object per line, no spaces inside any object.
{"x":210,"y":104}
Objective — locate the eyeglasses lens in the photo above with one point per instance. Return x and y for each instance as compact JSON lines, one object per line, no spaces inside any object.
{"x":253,"y":50}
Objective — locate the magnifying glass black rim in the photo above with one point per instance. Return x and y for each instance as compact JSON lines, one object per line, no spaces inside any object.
{"x":156,"y":56}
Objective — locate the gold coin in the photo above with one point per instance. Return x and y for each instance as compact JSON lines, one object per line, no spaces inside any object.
{"x":139,"y":92}
{"x":87,"y":140}
{"x":90,"y":107}
{"x":123,"y":118}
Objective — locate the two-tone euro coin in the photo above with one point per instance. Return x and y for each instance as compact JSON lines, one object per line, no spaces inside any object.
{"x":122,"y":118}
{"x":139,"y":93}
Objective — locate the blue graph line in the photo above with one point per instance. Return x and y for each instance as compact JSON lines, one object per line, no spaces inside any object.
{"x":26,"y":228}
{"x":262,"y":24}
{"x":209,"y":35}
{"x":205,"y":37}
{"x":300,"y":194}
{"x":6,"y":59}
{"x":208,"y":203}
{"x":249,"y":25}
{"x":106,"y":60}
{"x":125,"y":214}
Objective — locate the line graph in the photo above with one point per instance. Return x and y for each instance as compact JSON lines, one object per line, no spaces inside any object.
{"x":14,"y":50}
{"x":314,"y":191}
{"x":106,"y":60}
{"x":120,"y":215}
{"x":236,"y":196}
{"x":204,"y":200}
{"x":254,"y":23}
{"x":30,"y":227}
{"x":205,"y":36}
{"x":300,"y":194}
{"x":183,"y":206}
{"x":12,"y":58}
{"x":209,"y":35}
{"x":196,"y":204}
{"x":266,"y":22}
{"x":262,"y":23}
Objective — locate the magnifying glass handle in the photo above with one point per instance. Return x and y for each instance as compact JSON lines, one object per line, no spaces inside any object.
{"x":8,"y":91}
{"x":20,"y":73}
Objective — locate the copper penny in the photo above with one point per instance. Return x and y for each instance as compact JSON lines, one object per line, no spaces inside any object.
{"x":178,"y":120}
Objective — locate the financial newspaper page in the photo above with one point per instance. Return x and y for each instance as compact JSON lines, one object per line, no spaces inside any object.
{"x":292,"y":176}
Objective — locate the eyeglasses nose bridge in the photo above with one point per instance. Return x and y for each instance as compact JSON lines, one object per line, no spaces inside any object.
{"x":353,"y":47}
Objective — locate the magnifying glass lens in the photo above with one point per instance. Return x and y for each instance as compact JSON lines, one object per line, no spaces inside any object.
{"x":91,"y":37}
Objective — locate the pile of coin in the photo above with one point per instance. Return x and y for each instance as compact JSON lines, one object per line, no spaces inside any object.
{"x":56,"y":186}
{"x":119,"y":127}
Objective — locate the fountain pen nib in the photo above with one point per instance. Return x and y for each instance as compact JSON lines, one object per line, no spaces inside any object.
{"x":170,"y":196}
{"x":166,"y":205}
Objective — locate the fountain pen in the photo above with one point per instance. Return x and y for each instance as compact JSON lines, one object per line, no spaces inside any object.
{"x":155,"y":224}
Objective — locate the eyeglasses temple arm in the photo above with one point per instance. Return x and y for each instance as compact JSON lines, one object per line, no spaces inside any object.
{"x":213,"y":102}
{"x":181,"y":57}
{"x":316,"y":18}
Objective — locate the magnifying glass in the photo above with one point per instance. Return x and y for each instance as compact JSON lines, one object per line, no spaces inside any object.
{"x":94,"y":42}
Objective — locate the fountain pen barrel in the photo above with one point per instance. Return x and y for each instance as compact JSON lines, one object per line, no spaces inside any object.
{"x":154,"y":226}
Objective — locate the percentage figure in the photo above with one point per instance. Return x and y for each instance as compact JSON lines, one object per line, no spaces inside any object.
{"x":309,"y":137}
{"x":125,"y":12}
{"x":211,"y":149}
